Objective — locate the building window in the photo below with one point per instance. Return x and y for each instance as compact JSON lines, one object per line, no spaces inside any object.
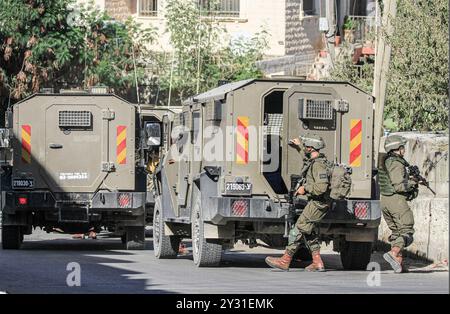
{"x":221,"y":8}
{"x":308,"y":7}
{"x":148,"y":7}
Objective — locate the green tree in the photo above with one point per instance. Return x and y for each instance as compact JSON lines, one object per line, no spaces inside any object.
{"x":52,"y":43}
{"x":201,"y":57}
{"x":417,"y":89}
{"x":361,"y":74}
{"x":417,"y":94}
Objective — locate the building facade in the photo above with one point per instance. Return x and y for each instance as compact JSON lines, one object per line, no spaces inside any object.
{"x":297,"y":29}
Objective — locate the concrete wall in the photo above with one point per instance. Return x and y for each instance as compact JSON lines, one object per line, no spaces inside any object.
{"x":430,"y":212}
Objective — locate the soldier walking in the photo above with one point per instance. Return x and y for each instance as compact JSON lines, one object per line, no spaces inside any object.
{"x":316,"y":188}
{"x":397,"y":188}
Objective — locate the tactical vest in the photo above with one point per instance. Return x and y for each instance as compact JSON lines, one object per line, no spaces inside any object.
{"x":386,"y":187}
{"x":307,"y":166}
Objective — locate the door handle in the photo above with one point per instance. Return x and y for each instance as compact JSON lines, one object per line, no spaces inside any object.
{"x":55,"y":146}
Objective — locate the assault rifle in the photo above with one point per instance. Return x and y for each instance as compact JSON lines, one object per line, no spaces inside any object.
{"x":415,"y":174}
{"x":296,"y":182}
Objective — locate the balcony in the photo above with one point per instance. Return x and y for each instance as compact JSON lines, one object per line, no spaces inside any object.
{"x":359,"y":29}
{"x":148,"y":8}
{"x":223,"y":8}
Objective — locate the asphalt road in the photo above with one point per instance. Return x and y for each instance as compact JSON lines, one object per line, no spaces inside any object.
{"x":41,"y":267}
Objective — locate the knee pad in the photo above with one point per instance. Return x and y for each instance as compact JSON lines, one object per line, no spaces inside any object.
{"x":294,"y":235}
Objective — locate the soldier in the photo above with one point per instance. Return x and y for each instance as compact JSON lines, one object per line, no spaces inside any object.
{"x":397,"y":188}
{"x":316,"y":188}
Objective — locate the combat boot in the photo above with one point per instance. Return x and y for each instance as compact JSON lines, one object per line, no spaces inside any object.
{"x":317,"y":264}
{"x":395,"y":259}
{"x":282,"y":262}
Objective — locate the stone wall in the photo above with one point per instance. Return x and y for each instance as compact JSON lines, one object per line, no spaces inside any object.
{"x":430,"y":153}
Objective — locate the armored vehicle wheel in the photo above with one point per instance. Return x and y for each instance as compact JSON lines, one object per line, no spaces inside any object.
{"x":356,"y":255}
{"x":206,"y":252}
{"x":134,"y":238}
{"x":163,"y":246}
{"x":11,"y":237}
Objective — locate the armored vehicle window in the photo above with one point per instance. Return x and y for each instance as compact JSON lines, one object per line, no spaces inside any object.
{"x":317,"y":112}
{"x":73,"y":119}
{"x":195,"y":126}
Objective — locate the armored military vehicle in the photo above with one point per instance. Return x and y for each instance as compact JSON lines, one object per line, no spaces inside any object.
{"x":229,"y":169}
{"x":77,"y":163}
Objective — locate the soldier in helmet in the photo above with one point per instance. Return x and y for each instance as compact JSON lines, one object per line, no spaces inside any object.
{"x":316,"y":188}
{"x":397,"y":188}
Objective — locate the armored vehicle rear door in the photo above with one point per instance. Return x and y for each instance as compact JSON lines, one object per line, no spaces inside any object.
{"x":309,"y":109}
{"x":342,"y":115}
{"x":74,"y":145}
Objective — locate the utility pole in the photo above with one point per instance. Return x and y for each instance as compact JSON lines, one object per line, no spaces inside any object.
{"x":382,"y":60}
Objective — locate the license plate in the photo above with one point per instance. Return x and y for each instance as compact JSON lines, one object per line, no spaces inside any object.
{"x":238,"y":188}
{"x":22,"y":184}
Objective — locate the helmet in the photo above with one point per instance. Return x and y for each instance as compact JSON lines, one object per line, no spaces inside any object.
{"x":394,"y":142}
{"x":313,"y":140}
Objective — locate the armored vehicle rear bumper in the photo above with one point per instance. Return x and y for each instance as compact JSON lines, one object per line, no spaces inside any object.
{"x":220,"y":210}
{"x":19,"y":201}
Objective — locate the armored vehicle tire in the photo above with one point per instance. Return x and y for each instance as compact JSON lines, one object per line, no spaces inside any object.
{"x":11,"y":237}
{"x":356,"y":255}
{"x":206,"y":252}
{"x":163,"y":246}
{"x":134,"y":238}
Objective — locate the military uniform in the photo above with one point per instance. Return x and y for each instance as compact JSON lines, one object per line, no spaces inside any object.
{"x":305,"y":230}
{"x":396,"y":190}
{"x":316,"y":188}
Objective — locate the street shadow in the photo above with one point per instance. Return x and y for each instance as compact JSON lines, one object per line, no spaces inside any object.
{"x":415,"y":263}
{"x":67,"y":244}
{"x":43,"y":269}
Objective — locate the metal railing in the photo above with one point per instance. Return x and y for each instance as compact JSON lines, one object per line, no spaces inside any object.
{"x":363,"y":29}
{"x":220,"y":8}
{"x":148,"y":8}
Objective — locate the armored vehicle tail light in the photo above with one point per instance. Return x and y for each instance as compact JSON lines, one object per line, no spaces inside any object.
{"x":22,"y":200}
{"x":361,"y":209}
{"x":239,"y":208}
{"x":124,"y":200}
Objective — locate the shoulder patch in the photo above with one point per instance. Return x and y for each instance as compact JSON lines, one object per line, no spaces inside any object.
{"x":323,"y":176}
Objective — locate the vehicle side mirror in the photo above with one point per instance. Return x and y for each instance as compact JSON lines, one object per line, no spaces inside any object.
{"x":153,"y":133}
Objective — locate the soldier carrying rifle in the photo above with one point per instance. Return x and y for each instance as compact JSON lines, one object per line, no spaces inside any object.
{"x":398,"y":184}
{"x":316,"y":187}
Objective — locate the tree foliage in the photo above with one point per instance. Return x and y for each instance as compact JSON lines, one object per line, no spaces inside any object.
{"x":202,"y":55}
{"x":417,"y":95}
{"x":361,"y":74}
{"x":417,"y":88}
{"x":52,"y":43}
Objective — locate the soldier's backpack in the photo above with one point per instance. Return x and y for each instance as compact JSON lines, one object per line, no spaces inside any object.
{"x":340,"y":180}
